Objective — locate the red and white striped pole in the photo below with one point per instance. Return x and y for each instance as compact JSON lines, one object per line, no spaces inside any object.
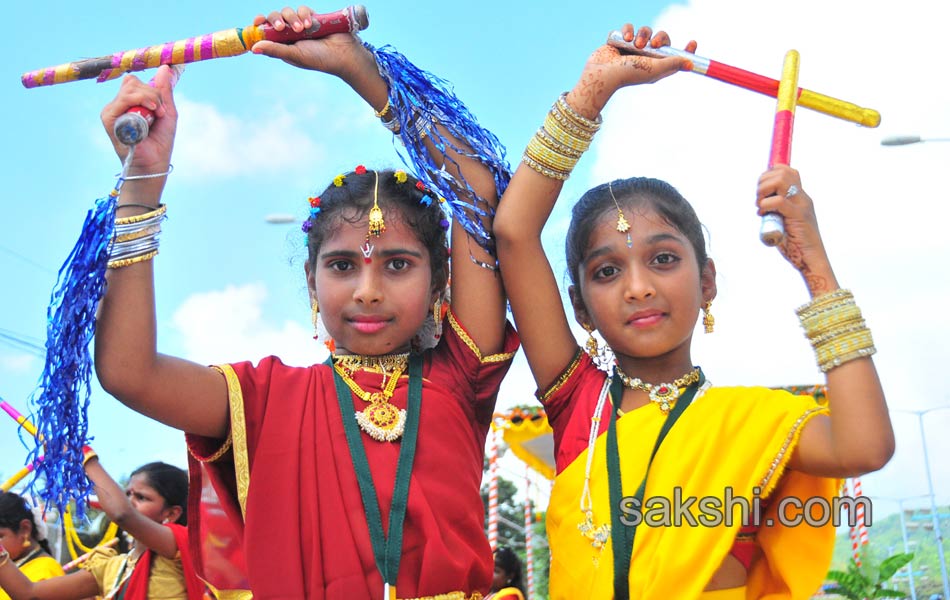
{"x":528,"y":537}
{"x":492,"y":489}
{"x":859,"y":512}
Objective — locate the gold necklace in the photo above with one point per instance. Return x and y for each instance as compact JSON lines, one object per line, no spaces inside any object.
{"x":663,"y":394}
{"x":383,"y":421}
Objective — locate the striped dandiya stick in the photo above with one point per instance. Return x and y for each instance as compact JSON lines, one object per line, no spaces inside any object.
{"x":757,"y":83}
{"x":20,"y":419}
{"x":17,"y":478}
{"x":528,"y":536}
{"x":83,"y":558}
{"x":492,"y":489}
{"x":221,"y":44}
{"x":772,"y":231}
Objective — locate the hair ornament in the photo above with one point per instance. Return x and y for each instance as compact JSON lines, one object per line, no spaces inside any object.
{"x":360,"y":170}
{"x":376,"y":223}
{"x":338,"y":180}
{"x":401,"y":176}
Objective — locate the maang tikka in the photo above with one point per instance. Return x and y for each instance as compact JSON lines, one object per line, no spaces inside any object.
{"x":623,"y":226}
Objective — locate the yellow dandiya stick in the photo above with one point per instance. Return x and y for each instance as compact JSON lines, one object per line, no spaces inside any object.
{"x":757,"y":83}
{"x":81,"y":559}
{"x":20,"y":419}
{"x":221,"y":44}
{"x":17,"y":478}
{"x":772,"y":231}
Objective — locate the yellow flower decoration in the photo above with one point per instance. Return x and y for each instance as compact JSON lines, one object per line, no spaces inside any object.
{"x":338,"y":180}
{"x":401,"y":177}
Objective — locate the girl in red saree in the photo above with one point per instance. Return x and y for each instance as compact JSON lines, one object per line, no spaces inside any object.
{"x":152,"y":509}
{"x":649,"y":432}
{"x":360,"y":476}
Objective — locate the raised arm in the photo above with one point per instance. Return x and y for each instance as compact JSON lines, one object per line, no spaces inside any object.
{"x":176,"y":392}
{"x":857,"y":437}
{"x":526,"y":205}
{"x":118,"y":507}
{"x":477,"y":295}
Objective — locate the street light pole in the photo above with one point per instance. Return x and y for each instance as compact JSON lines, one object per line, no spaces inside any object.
{"x":905,"y":140}
{"x":933,"y":501}
{"x":910,"y":567}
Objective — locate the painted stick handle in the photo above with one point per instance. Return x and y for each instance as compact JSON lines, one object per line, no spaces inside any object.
{"x":133,"y":127}
{"x":772,"y":230}
{"x":757,"y":83}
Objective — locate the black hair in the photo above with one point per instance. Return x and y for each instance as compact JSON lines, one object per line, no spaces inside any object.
{"x":13,"y":510}
{"x":417,"y":208}
{"x":170,"y":482}
{"x":629,"y":193}
{"x":508,"y":561}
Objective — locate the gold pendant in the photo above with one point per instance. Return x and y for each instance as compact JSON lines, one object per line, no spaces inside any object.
{"x":382,"y":421}
{"x":664,"y":395}
{"x":598,"y":536}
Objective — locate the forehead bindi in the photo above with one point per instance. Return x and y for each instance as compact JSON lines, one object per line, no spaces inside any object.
{"x":350,"y":236}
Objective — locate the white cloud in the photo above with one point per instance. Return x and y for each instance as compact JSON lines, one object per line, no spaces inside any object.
{"x":882,"y":210}
{"x":228,"y":326}
{"x":17,"y":363}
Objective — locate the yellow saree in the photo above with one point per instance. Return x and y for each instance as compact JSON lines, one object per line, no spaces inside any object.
{"x":731,"y":442}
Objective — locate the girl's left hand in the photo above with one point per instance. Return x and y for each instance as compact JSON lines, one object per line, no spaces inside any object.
{"x":780,"y":191}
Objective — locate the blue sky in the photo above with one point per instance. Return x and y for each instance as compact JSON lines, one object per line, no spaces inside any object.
{"x":257,"y":137}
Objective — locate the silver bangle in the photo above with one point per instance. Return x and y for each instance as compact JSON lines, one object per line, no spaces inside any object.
{"x":171,"y":168}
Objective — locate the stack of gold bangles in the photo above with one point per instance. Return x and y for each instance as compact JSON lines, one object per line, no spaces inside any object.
{"x":560,"y":142}
{"x":136,"y":238}
{"x":836,"y":329}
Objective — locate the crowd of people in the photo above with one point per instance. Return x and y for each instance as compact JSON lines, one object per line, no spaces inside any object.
{"x":359,"y":477}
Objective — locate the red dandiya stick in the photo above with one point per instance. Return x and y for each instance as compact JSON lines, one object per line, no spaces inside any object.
{"x":772,"y":231}
{"x":230,"y":42}
{"x":20,"y":419}
{"x":757,"y":83}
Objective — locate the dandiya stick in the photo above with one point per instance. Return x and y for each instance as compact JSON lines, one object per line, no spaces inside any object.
{"x":757,"y":83}
{"x":17,"y":478}
{"x":772,"y":231}
{"x":81,"y":559}
{"x":221,"y":44}
{"x":20,"y":419}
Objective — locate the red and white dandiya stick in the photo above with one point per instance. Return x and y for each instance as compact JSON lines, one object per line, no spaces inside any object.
{"x":772,"y":231}
{"x":83,"y":558}
{"x":231,"y":42}
{"x":756,"y":83}
{"x":528,"y":537}
{"x":492,"y":489}
{"x":20,"y":419}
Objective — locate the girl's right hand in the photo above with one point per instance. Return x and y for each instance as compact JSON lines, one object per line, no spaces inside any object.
{"x":153,"y":154}
{"x":608,"y":69}
{"x":340,"y":54}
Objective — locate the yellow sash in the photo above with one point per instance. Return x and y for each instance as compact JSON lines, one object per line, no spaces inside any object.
{"x":736,"y":439}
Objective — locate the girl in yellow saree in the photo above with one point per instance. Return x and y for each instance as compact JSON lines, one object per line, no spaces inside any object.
{"x":669,"y":487}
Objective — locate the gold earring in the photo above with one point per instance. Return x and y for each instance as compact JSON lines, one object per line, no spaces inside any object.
{"x":708,"y":320}
{"x":437,"y":316}
{"x":27,"y":543}
{"x":591,"y":346}
{"x":314,"y":317}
